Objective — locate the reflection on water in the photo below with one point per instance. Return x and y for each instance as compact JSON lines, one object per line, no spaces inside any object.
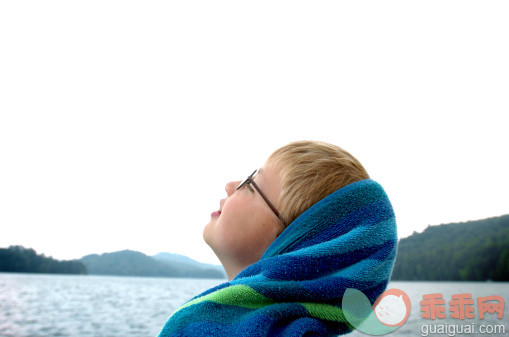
{"x":78,"y":305}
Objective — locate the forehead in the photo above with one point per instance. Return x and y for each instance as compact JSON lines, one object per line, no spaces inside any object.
{"x":267,"y":171}
{"x":260,"y":175}
{"x":268,"y":177}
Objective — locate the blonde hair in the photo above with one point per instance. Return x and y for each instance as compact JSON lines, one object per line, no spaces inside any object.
{"x":310,"y":171}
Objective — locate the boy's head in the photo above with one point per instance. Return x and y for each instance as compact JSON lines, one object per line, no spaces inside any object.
{"x":294,"y":178}
{"x":310,"y":171}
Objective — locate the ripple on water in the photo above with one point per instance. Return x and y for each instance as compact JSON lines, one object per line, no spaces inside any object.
{"x":76,"y":305}
{"x":34,"y":305}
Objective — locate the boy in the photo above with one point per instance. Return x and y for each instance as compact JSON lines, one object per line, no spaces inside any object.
{"x":292,"y":238}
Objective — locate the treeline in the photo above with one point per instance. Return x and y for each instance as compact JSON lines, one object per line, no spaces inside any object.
{"x":133,"y":263}
{"x":26,"y":260}
{"x":470,"y":251}
{"x":123,"y":263}
{"x":126,"y":263}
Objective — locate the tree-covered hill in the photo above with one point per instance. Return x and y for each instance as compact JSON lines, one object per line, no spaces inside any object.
{"x":133,"y":263}
{"x":470,"y":251}
{"x":123,"y":263}
{"x":26,"y":260}
{"x":126,"y":263}
{"x":188,"y":267}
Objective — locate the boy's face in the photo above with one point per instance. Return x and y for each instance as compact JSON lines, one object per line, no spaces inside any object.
{"x":245,"y":226}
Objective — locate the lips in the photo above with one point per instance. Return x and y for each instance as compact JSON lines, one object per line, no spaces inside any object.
{"x":218,"y":212}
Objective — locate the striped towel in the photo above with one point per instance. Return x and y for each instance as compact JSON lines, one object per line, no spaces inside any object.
{"x":346,"y":240}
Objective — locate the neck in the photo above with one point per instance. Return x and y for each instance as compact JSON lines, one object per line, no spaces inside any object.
{"x":231,"y":272}
{"x":232,"y":268}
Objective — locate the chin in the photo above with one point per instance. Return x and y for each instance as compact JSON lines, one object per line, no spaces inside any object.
{"x":207,"y":234}
{"x":204,"y":233}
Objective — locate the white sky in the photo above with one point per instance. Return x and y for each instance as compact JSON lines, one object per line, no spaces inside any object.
{"x":121,"y":121}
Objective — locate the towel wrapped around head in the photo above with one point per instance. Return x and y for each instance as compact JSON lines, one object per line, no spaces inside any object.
{"x":346,"y":240}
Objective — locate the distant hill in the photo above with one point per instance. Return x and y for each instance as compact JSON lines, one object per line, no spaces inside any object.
{"x":126,"y":263}
{"x":133,"y":263}
{"x":469,"y":251}
{"x":190,"y":268}
{"x":26,"y":260}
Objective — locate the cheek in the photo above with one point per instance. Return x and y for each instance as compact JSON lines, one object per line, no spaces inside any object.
{"x":257,"y":241}
{"x":223,"y":231}
{"x":243,"y":230}
{"x":232,"y":213}
{"x":242,"y":217}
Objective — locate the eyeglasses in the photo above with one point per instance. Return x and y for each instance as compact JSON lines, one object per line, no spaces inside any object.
{"x":249,"y":180}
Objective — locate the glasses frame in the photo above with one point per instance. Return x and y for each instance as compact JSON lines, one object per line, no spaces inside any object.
{"x":250,"y":180}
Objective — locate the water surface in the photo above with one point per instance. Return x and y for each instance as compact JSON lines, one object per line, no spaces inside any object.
{"x":80,"y":305}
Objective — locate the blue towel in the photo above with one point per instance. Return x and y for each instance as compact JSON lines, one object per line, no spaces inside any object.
{"x":346,"y":240}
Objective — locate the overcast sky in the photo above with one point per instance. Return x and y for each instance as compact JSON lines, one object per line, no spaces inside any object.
{"x":121,"y":121}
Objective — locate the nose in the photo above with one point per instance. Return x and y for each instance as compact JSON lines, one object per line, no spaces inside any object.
{"x":231,"y":186}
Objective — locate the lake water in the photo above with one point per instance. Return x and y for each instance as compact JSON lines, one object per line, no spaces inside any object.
{"x":78,"y":305}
